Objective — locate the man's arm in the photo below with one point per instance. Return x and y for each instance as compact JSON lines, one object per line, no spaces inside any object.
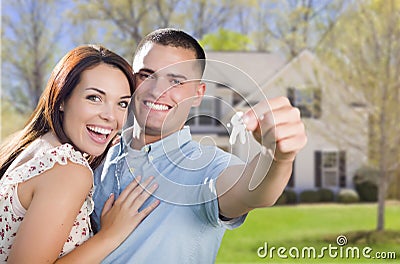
{"x":277,"y":122}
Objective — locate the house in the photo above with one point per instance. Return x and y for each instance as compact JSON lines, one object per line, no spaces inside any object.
{"x":335,"y":122}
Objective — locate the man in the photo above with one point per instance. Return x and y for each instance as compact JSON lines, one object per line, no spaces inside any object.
{"x":203,"y":190}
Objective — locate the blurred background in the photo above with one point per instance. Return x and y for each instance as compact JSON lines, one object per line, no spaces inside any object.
{"x":337,"y":60}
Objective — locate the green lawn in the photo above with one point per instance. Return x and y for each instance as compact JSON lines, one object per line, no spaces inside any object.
{"x":305,"y":226}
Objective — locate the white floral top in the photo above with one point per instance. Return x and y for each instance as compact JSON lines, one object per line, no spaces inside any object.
{"x":12,"y":213}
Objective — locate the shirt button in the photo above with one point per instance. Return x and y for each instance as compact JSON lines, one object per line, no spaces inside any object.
{"x":146,"y":149}
{"x":132,"y":170}
{"x":151,"y":158}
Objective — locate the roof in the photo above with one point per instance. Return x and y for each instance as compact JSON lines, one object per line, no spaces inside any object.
{"x":233,"y":67}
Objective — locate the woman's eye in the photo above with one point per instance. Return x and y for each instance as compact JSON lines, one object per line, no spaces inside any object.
{"x":94,"y":98}
{"x":123,"y":104}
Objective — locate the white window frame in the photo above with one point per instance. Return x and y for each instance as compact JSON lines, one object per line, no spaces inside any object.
{"x":329,"y":168}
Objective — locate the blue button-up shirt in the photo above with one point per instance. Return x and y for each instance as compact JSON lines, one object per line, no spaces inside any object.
{"x":185,"y":227}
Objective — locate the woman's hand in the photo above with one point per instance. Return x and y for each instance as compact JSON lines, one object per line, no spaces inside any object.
{"x":120,"y":218}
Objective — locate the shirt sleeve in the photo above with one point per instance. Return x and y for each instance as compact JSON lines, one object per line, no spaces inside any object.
{"x":209,"y":211}
{"x":104,"y":185}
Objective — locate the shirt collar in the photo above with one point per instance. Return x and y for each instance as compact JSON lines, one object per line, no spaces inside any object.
{"x":156,"y":149}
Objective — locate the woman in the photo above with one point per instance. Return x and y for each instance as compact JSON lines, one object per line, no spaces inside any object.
{"x":46,"y":168}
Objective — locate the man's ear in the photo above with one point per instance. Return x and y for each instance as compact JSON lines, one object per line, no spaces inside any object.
{"x":200,"y":90}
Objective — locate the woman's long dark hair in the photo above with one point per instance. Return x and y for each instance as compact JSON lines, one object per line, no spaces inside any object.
{"x":63,"y":80}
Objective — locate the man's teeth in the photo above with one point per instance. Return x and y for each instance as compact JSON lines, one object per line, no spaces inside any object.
{"x":157,"y":106}
{"x":99,"y":130}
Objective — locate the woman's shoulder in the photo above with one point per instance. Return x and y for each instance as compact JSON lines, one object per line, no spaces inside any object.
{"x":62,"y":153}
{"x":42,"y":157}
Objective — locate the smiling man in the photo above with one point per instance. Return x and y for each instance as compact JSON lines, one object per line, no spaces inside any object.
{"x":203,"y":190}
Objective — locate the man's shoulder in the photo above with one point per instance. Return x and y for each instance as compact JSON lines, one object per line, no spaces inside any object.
{"x":113,"y":152}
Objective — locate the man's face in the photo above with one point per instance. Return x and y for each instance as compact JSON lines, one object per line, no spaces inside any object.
{"x":167,"y":86}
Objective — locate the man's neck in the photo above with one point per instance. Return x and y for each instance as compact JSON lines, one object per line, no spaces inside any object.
{"x":143,"y":139}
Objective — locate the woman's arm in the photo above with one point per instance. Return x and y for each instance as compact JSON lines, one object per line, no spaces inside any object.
{"x":57,"y":196}
{"x":118,"y":222}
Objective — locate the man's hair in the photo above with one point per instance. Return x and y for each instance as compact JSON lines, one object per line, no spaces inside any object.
{"x":174,"y":38}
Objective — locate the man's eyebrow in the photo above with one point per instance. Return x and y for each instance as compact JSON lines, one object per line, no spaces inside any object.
{"x":146,"y":70}
{"x":172,"y":75}
{"x":175,"y":75}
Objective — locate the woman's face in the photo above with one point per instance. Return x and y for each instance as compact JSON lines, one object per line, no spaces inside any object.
{"x":95,"y":111}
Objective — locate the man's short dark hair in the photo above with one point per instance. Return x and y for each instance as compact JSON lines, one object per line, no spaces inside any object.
{"x":174,"y":38}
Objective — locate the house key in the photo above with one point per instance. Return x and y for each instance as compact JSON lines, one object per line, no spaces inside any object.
{"x":238,"y":128}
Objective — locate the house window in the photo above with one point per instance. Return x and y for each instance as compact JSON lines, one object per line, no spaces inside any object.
{"x":206,"y":119}
{"x":330,"y":169}
{"x":307,"y":100}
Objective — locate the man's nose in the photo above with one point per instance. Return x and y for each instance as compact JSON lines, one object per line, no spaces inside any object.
{"x":160,"y":85}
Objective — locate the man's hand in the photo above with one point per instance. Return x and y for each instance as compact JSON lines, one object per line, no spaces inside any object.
{"x":277,"y":121}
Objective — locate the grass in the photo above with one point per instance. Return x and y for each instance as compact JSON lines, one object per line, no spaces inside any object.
{"x":312,"y":226}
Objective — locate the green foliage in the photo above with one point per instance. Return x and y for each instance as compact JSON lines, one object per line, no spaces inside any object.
{"x":288,"y":197}
{"x":32,"y":31}
{"x":366,"y":183}
{"x":225,"y":40}
{"x":348,"y":196}
{"x":367,"y":191}
{"x":11,"y":120}
{"x":366,"y":174}
{"x":291,"y":196}
{"x":310,"y":196}
{"x":326,"y":195}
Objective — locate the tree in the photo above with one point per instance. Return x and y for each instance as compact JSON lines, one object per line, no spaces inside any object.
{"x":293,"y":25}
{"x":205,"y":16}
{"x":225,"y":40}
{"x":120,"y":25}
{"x":364,"y":50}
{"x":29,"y":46}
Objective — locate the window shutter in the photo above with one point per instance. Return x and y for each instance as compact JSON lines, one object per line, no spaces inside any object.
{"x":317,"y":103}
{"x":291,"y":180}
{"x":218,"y":114}
{"x":342,"y":168}
{"x":290,"y":95}
{"x":318,"y":168}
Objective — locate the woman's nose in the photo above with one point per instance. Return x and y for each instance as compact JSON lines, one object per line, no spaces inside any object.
{"x":108,"y":113}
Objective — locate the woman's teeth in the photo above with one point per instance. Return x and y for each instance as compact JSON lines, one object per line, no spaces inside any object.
{"x":100,"y":130}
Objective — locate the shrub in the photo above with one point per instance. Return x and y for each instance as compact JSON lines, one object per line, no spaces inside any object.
{"x":366,"y":183}
{"x":368,"y":191}
{"x":309,"y":196}
{"x":326,"y":195}
{"x":287,"y":197}
{"x":348,"y":196}
{"x":291,"y":196}
{"x":282,"y":199}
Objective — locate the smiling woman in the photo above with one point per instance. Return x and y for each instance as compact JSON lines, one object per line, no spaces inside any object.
{"x":95,"y":110}
{"x":46,"y":168}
